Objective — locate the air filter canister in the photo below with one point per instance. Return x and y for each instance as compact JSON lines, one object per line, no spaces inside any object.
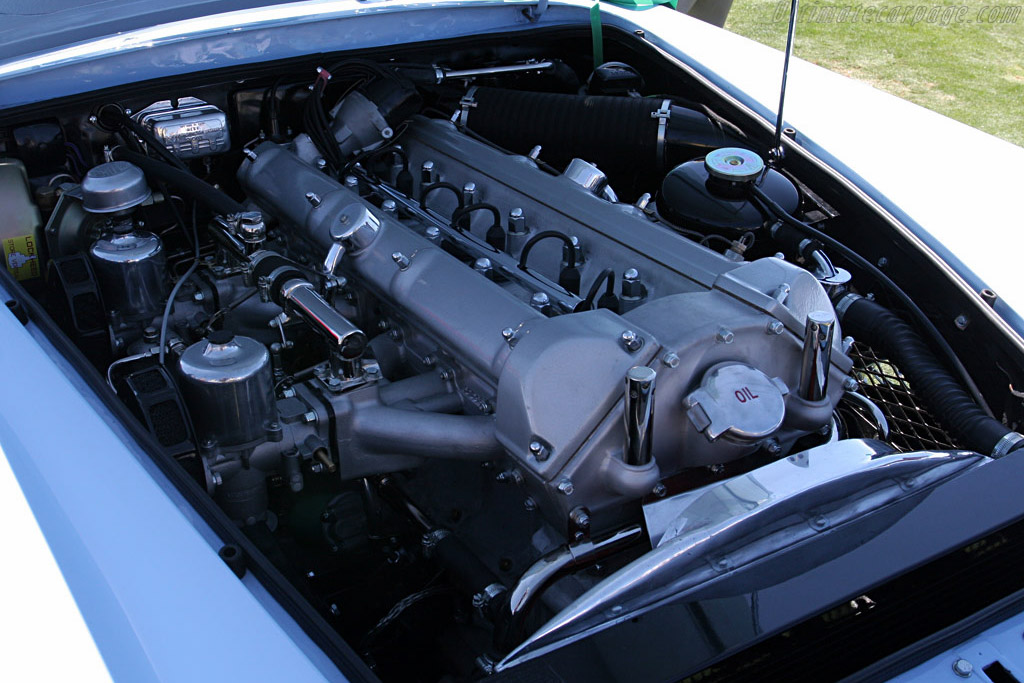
{"x":229,"y":389}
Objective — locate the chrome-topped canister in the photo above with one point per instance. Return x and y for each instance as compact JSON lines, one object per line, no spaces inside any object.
{"x":114,"y":186}
{"x":228,"y":385}
{"x":130,"y":267}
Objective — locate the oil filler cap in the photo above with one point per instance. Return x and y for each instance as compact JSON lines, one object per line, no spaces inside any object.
{"x":737,"y":401}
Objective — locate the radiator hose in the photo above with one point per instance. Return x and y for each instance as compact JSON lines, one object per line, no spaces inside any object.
{"x":613,"y":132}
{"x":896,"y":340}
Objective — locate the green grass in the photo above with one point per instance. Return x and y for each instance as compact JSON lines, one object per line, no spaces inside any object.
{"x":969,"y":70}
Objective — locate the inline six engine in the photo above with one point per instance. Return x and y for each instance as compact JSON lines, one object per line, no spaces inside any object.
{"x":561,"y":388}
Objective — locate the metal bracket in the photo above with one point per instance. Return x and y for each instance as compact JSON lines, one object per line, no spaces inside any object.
{"x":535,"y":12}
{"x":663,"y":114}
{"x":461,"y":117}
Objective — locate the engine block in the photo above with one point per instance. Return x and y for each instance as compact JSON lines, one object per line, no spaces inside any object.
{"x":724,"y":338}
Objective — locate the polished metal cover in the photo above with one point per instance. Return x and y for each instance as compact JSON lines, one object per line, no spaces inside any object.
{"x":130,"y":268}
{"x":131,"y":247}
{"x":228,"y":385}
{"x":114,"y":186}
{"x":586,"y":175}
{"x":191,"y":129}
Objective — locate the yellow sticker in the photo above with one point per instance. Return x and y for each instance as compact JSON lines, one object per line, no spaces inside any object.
{"x":22,"y":257}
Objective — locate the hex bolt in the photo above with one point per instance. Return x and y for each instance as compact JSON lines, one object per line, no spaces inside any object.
{"x":250,"y":155}
{"x":314,"y":199}
{"x":774,"y":327}
{"x":469,"y":193}
{"x":565,"y":487}
{"x":724,"y":335}
{"x":963,"y":668}
{"x":509,"y":334}
{"x":580,"y":517}
{"x":198,"y":296}
{"x":427,"y":173}
{"x":516,"y":222}
{"x":643,"y":201}
{"x":961,"y":322}
{"x":433,"y":233}
{"x":535,"y":152}
{"x":351,"y":182}
{"x":482,"y":265}
{"x":670,"y":359}
{"x":773,"y":446}
{"x":850,"y":384}
{"x":321,"y":163}
{"x":631,"y":275}
{"x":389,"y":206}
{"x":530,"y":504}
{"x":401,"y":260}
{"x":540,"y":300}
{"x":659,"y":490}
{"x":309,"y":417}
{"x":631,"y":341}
{"x":539,"y":451}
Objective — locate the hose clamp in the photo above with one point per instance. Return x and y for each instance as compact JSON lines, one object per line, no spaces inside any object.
{"x":663,"y":114}
{"x":1007,"y":444}
{"x":461,"y":117}
{"x":843,"y":305}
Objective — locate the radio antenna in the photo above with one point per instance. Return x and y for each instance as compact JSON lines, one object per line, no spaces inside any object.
{"x":776,"y":153}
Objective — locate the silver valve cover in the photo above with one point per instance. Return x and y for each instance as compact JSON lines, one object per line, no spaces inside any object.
{"x":738,"y":402}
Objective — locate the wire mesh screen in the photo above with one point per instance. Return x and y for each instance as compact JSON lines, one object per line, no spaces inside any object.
{"x":911,"y":426}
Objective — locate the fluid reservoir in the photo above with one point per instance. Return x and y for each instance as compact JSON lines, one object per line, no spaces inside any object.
{"x":713,"y":195}
{"x":19,"y":222}
{"x":229,"y":389}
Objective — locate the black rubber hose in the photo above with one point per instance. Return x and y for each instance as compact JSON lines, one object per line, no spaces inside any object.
{"x":772,"y":208}
{"x":896,"y":340}
{"x":612,"y":132}
{"x":183,"y":180}
{"x":113,"y":117}
{"x":427,"y":189}
{"x":524,"y":255}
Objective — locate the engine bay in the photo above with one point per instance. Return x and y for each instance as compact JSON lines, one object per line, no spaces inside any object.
{"x":440,"y":329}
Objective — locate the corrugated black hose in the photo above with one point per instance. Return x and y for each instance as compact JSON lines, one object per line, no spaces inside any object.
{"x":614,"y":132}
{"x":899,"y":342}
